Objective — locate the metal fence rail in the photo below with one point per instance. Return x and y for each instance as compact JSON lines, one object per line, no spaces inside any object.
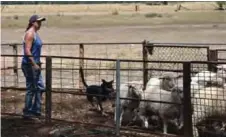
{"x":65,"y":98}
{"x":68,"y":106}
{"x":124,"y":50}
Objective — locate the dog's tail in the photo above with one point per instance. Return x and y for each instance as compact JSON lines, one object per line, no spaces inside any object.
{"x":82,"y":76}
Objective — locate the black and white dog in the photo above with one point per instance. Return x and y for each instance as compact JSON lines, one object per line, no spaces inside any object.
{"x":100,"y":92}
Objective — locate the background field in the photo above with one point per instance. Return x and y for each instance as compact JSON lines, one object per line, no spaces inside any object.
{"x":100,"y":23}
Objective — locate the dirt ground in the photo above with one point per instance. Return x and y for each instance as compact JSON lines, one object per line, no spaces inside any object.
{"x":37,"y":128}
{"x":205,"y":33}
{"x":65,"y":108}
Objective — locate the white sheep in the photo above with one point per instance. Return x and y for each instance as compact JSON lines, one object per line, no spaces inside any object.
{"x":167,"y":112}
{"x":206,"y":78}
{"x":129,"y":90}
{"x":201,"y":80}
{"x":221,"y":71}
{"x":210,"y":101}
{"x":166,"y":81}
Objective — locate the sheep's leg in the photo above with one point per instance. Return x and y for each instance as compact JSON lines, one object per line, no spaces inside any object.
{"x":98,"y":107}
{"x":120,"y":120}
{"x":146,"y":123}
{"x":181,"y":121}
{"x":164,"y":127}
{"x":223,"y":126}
{"x":194,"y":129}
{"x":115,"y":115}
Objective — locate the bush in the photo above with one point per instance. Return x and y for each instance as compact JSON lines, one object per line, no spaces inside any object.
{"x":115,"y":12}
{"x":152,"y":15}
{"x":16,"y":17}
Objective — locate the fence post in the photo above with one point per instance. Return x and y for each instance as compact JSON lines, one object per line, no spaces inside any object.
{"x":81,"y":64}
{"x":48,"y":105}
{"x":117,"y":98}
{"x":187,"y":106}
{"x":145,"y":64}
{"x":213,"y":56}
{"x":15,"y":64}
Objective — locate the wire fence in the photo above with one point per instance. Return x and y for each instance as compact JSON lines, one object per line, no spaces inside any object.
{"x":67,"y":105}
{"x":93,"y":50}
{"x":221,"y":54}
{"x":133,"y":50}
{"x":209,"y":100}
{"x":67,"y":99}
{"x":177,"y":52}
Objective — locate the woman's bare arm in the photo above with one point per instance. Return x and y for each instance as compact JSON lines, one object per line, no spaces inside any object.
{"x":28,"y":44}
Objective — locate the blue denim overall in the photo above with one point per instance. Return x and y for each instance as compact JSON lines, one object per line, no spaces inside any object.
{"x":34,"y":82}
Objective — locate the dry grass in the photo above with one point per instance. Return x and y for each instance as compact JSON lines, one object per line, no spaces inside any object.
{"x":77,"y":21}
{"x":9,"y":9}
{"x":70,"y":16}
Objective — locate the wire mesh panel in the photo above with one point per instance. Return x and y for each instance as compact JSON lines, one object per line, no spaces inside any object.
{"x":221,"y":55}
{"x":53,"y":49}
{"x":7,"y":73}
{"x":12,"y":74}
{"x":73,"y":105}
{"x":98,"y":50}
{"x":209,"y":101}
{"x":7,"y":49}
{"x":116,"y":51}
{"x":12,"y":78}
{"x":176,"y":52}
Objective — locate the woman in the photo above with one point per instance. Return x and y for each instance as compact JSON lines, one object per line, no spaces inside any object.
{"x":32,"y":45}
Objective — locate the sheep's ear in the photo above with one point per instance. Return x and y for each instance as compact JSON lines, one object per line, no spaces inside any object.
{"x":136,"y":110}
{"x":219,"y":66}
{"x":130,"y":87}
{"x":180,"y":76}
{"x":222,"y":66}
{"x":164,"y":77}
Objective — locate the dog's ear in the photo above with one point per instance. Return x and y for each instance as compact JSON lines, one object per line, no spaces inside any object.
{"x":103,"y":81}
{"x":112,"y":81}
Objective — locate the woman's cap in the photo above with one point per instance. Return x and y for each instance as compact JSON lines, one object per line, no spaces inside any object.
{"x":35,"y":18}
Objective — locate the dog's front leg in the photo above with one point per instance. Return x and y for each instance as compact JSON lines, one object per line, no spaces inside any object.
{"x":101,"y":108}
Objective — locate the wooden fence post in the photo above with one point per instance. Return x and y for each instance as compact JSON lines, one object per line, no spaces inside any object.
{"x":145,"y":64}
{"x":81,"y":64}
{"x":213,"y":56}
{"x":15,"y":64}
{"x":48,"y":105}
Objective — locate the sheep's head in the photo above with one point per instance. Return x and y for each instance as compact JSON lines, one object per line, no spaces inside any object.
{"x":177,"y":93}
{"x":221,"y":70}
{"x":168,"y":80}
{"x":134,"y":92}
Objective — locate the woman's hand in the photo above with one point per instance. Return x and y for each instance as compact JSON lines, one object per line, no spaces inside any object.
{"x":36,"y":67}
